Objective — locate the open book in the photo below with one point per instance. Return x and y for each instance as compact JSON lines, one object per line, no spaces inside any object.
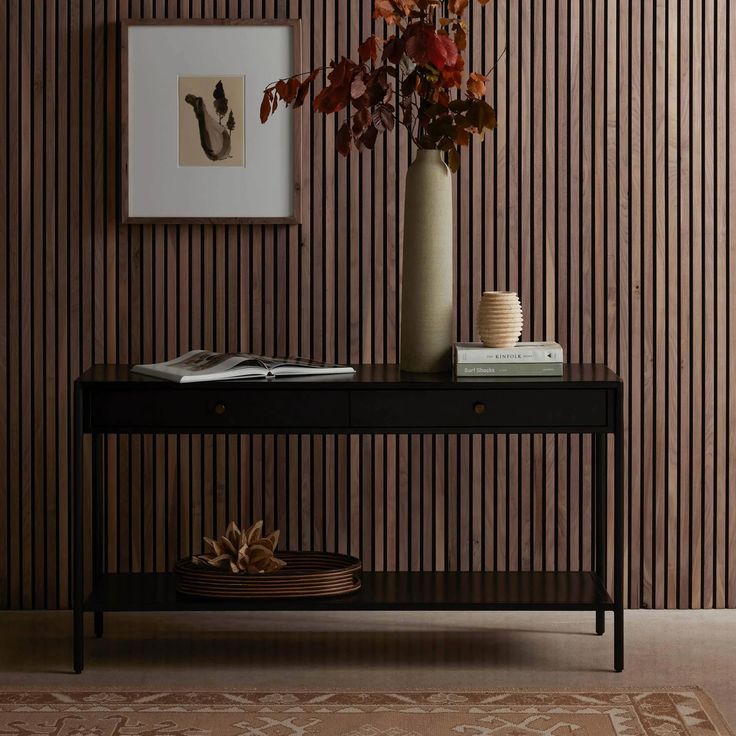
{"x":202,"y":365}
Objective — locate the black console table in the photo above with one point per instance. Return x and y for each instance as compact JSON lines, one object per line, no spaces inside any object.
{"x":378,"y":399}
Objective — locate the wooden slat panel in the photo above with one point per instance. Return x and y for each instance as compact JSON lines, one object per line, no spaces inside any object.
{"x":607,"y":198}
{"x":720,"y":285}
{"x":730,"y":332}
{"x":13,"y":243}
{"x":4,"y":319}
{"x":672,"y":300}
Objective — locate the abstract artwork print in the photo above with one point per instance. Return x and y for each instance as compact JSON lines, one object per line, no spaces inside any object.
{"x":211,"y":121}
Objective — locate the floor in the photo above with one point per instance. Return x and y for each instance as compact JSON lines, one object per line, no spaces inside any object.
{"x":374,"y":650}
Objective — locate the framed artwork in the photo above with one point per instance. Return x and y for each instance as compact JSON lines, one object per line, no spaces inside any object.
{"x":193,"y":146}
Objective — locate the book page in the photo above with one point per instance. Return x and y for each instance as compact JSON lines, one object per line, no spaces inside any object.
{"x":203,"y":363}
{"x":277,"y":365}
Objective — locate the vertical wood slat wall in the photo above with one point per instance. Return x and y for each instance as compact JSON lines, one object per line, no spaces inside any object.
{"x":607,"y":198}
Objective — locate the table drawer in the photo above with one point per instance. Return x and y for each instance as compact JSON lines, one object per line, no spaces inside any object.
{"x":467,"y":409}
{"x":191,"y":409}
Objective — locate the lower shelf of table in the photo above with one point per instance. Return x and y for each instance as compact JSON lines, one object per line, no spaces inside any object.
{"x":380,"y":591}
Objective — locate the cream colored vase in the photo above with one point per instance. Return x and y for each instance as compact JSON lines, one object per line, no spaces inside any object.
{"x":426,"y":285}
{"x":499,"y":319}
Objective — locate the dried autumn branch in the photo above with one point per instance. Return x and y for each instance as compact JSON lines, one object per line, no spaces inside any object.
{"x":419,"y":69}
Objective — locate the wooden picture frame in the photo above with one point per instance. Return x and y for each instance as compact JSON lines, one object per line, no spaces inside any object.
{"x":127,"y":218}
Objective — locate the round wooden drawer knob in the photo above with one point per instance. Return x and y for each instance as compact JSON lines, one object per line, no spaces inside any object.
{"x":479,"y":408}
{"x":220,"y":409}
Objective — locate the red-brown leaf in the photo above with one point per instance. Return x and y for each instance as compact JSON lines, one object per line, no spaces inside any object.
{"x":386,"y":9}
{"x":461,"y":39}
{"x":357,"y":88}
{"x":332,"y":98}
{"x":417,"y":45}
{"x":426,"y":46}
{"x":460,"y":105}
{"x":301,"y":95}
{"x":292,"y":87}
{"x":452,"y":76}
{"x":304,"y":87}
{"x":393,"y":50}
{"x":342,"y":71}
{"x":361,"y":120}
{"x":408,"y":111}
{"x":375,"y":91}
{"x":266,"y":106}
{"x":476,"y":85}
{"x":383,"y":117}
{"x":286,"y":89}
{"x":443,"y":98}
{"x":458,"y":6}
{"x":368,"y":50}
{"x":481,"y":116}
{"x":392,"y":11}
{"x":409,"y":83}
{"x":369,"y":137}
{"x":449,"y":50}
{"x":343,"y":139}
{"x":453,"y":159}
{"x":462,"y":137}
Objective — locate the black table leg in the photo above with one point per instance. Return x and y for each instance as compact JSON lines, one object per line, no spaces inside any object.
{"x":99,"y":624}
{"x":98,"y":521}
{"x":618,"y":541}
{"x":601,"y":493}
{"x":78,"y":546}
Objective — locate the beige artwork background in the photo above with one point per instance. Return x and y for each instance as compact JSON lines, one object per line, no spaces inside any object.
{"x":190,"y":148}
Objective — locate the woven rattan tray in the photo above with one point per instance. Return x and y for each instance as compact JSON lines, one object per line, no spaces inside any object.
{"x":306,"y":575}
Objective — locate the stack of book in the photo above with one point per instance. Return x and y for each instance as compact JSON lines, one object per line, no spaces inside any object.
{"x":475,"y":360}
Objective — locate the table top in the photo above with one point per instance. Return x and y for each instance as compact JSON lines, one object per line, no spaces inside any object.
{"x":366,"y":376}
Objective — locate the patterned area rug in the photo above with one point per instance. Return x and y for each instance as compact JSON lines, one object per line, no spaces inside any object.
{"x":411,"y":713}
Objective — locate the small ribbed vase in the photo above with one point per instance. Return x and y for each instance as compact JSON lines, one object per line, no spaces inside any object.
{"x":499,"y":319}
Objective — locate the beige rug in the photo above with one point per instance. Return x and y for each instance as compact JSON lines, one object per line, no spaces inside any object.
{"x":409,"y":713}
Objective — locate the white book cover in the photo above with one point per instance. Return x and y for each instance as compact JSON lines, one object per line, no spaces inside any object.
{"x":522,"y":352}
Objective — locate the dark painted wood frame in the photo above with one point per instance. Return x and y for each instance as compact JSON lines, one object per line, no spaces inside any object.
{"x":295,"y":218}
{"x":111,"y":400}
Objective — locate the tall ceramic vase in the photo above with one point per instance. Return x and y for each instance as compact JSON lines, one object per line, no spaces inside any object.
{"x":426,"y":287}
